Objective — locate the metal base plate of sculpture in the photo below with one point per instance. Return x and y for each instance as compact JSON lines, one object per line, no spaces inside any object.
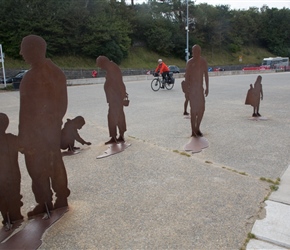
{"x":196,"y":144}
{"x":114,"y":149}
{"x":69,"y":152}
{"x":258,"y":118}
{"x":8,"y":230}
{"x":30,"y":236}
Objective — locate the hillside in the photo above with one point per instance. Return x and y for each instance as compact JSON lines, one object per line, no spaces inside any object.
{"x":141,"y":58}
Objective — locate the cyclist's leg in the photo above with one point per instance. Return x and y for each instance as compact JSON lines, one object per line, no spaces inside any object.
{"x":163,"y":79}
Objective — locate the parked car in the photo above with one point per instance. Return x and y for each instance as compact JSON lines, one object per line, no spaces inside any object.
{"x":219,"y":69}
{"x":16,"y":78}
{"x":173,"y":69}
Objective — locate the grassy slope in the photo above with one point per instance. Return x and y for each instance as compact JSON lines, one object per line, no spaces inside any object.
{"x":141,"y":58}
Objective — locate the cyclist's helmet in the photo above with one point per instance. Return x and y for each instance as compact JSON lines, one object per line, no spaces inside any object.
{"x":159,"y":60}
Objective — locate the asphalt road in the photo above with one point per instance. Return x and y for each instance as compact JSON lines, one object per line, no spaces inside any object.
{"x":152,"y":195}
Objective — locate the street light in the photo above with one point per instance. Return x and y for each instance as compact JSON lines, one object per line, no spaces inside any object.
{"x":187,"y":31}
{"x":186,"y":28}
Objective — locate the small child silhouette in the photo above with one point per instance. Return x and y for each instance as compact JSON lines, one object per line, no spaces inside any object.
{"x":69,"y":133}
{"x":10,"y":177}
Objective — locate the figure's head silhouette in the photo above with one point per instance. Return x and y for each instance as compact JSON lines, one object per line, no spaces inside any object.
{"x":79,"y":121}
{"x":259,"y":79}
{"x":4,"y":121}
{"x":33,"y":49}
{"x":196,"y":51}
{"x":103,"y":62}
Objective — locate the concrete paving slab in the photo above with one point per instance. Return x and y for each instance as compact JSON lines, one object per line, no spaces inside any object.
{"x":275,"y":228}
{"x":259,"y":245}
{"x":151,"y":197}
{"x":283,"y":193}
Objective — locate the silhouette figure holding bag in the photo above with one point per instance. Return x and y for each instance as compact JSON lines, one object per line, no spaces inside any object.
{"x":115,"y":94}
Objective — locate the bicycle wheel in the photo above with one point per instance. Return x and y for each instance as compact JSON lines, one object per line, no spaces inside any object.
{"x":169,"y":86}
{"x":155,"y":84}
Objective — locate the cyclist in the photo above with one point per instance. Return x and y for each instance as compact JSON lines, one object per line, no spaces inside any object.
{"x":162,"y":69}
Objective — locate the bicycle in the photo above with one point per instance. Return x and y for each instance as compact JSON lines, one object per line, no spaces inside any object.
{"x":158,"y":83}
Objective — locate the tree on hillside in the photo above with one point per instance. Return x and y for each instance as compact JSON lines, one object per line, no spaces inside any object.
{"x":110,"y":27}
{"x":275,"y":30}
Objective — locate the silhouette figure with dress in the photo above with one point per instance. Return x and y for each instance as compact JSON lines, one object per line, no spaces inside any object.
{"x":254,"y":95}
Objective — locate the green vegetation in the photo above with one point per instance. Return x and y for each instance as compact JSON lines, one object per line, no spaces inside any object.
{"x":235,"y":171}
{"x":142,"y":58}
{"x":275,"y":182}
{"x":136,"y":36}
{"x":250,"y":236}
{"x":181,"y":153}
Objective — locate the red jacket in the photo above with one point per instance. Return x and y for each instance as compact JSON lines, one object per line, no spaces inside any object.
{"x":162,"y":67}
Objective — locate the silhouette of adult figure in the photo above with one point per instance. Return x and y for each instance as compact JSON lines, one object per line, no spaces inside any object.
{"x":69,"y":133}
{"x":10,"y":197}
{"x":258,"y":92}
{"x":196,"y":71}
{"x":43,"y":103}
{"x":115,"y":94}
{"x":186,"y":95}
{"x":254,"y":95}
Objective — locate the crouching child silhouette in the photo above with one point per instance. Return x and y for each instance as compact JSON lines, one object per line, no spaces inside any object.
{"x":10,"y":177}
{"x":69,"y":134}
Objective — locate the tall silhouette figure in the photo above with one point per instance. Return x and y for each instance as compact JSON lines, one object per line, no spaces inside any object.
{"x":43,"y":103}
{"x":10,"y":197}
{"x":254,"y":95}
{"x":115,"y":94}
{"x":196,"y":73}
{"x":69,"y":133}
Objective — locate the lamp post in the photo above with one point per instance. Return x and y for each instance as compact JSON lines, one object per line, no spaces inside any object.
{"x":2,"y":61}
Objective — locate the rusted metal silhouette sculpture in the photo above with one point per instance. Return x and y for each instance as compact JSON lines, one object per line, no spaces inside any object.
{"x":69,"y":134}
{"x":196,"y":71}
{"x":195,"y":75}
{"x":10,"y":177}
{"x":43,"y":103}
{"x":30,"y":237}
{"x":254,"y":95}
{"x":186,"y":95}
{"x":115,"y":94}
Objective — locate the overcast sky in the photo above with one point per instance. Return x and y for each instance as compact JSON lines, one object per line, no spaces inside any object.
{"x":240,"y":4}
